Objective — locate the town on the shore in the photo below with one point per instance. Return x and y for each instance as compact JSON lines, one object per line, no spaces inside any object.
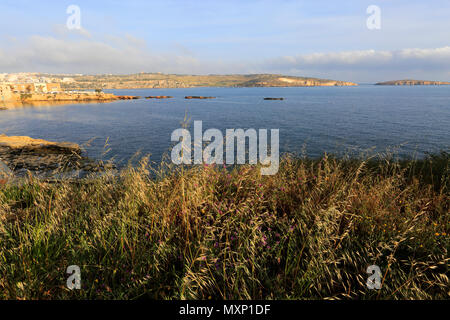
{"x":33,"y":87}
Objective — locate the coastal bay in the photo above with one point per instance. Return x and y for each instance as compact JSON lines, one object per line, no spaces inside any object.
{"x":407,"y":120}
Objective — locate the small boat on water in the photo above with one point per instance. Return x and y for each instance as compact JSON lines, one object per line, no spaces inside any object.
{"x":158,"y":97}
{"x":273,"y":98}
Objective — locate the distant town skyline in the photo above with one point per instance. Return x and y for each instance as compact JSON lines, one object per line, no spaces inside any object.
{"x":322,"y":38}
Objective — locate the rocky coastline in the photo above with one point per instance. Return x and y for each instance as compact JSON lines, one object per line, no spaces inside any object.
{"x":20,"y":155}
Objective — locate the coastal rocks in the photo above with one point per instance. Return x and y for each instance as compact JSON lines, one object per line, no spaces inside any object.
{"x":60,"y":97}
{"x":158,"y":97}
{"x":20,"y":154}
{"x":198,"y":97}
{"x":273,"y":98}
{"x":128,"y":97}
{"x":24,"y":142}
{"x":159,"y":81}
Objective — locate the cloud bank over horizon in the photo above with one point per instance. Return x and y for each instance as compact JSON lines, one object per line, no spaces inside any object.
{"x":128,"y":54}
{"x":321,"y":38}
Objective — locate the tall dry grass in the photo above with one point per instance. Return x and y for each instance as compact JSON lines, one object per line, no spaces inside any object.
{"x":308,"y":232}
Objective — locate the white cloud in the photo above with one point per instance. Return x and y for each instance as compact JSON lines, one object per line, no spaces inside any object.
{"x":117,"y":55}
{"x":126,"y":54}
{"x":63,"y":31}
{"x":367,"y":58}
{"x":370,"y":65}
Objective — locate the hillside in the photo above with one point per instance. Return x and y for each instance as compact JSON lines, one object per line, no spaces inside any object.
{"x":158,"y":80}
{"x":409,"y":82}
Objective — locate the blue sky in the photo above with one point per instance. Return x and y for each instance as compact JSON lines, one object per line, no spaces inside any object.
{"x":323,"y":38}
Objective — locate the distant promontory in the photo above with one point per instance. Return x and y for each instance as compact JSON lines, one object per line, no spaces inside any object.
{"x":409,"y":82}
{"x":160,"y":80}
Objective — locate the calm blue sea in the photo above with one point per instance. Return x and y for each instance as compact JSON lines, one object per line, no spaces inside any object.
{"x":411,"y":120}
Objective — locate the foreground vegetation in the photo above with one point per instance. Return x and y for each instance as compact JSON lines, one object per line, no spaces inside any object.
{"x":207,"y":232}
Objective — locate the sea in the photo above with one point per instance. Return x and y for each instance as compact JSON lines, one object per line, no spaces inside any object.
{"x":406,"y":121}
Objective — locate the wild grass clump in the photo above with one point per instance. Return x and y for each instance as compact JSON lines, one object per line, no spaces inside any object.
{"x":208,"y":232}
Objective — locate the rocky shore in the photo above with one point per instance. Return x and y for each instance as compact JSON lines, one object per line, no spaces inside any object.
{"x":24,"y":99}
{"x":20,"y":155}
{"x":67,"y":96}
{"x":198,"y":97}
{"x":128,"y":97}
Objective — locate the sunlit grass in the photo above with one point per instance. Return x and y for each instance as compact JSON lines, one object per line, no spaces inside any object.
{"x":308,"y":232}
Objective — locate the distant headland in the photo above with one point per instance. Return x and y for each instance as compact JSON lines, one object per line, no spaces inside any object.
{"x":409,"y":82}
{"x":31,"y":89}
{"x":159,"y":81}
{"x":83,"y":82}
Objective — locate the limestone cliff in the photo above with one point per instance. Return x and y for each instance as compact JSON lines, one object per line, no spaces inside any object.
{"x":294,"y":82}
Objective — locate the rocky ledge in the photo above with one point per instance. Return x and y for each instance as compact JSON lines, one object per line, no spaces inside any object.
{"x":198,"y":97}
{"x":20,"y":154}
{"x":128,"y":97}
{"x":158,"y":97}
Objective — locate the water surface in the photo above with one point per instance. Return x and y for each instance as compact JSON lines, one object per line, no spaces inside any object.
{"x":411,"y":119}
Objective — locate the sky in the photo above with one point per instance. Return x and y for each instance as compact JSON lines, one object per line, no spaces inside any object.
{"x":315,"y":38}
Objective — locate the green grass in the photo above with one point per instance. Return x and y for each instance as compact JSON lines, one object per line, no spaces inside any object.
{"x":148,"y":80}
{"x":208,"y":232}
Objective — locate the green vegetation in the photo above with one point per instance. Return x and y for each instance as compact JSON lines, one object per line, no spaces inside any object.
{"x":24,"y":96}
{"x":308,"y":232}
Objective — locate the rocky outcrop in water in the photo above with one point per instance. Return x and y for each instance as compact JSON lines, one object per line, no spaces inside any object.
{"x":198,"y":97}
{"x":159,"y":80}
{"x":128,"y":97}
